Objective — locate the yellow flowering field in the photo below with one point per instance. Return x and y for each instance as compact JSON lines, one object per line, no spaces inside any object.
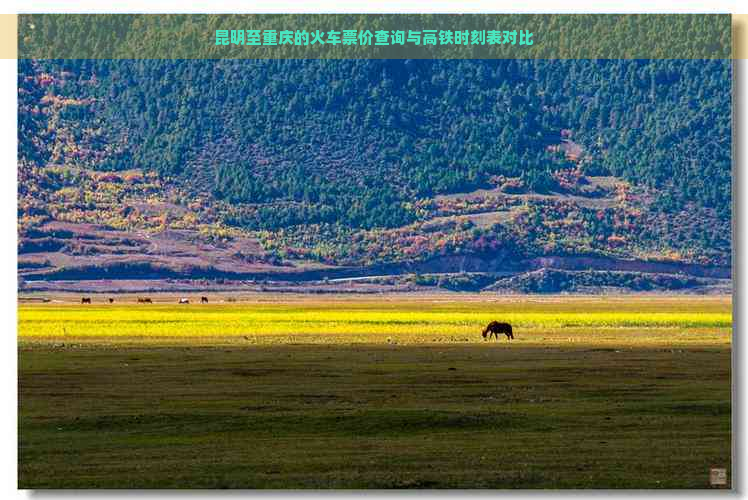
{"x":637,"y":320}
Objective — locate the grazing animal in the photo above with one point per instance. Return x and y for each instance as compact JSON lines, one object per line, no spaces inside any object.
{"x":86,"y":300}
{"x":184,"y":301}
{"x":203,"y":300}
{"x":111,"y":300}
{"x":144,"y":300}
{"x":495,"y":328}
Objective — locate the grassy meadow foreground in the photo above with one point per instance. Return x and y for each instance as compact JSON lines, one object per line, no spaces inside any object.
{"x":393,"y":392}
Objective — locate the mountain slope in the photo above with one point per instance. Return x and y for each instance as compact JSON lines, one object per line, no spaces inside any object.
{"x":318,"y":164}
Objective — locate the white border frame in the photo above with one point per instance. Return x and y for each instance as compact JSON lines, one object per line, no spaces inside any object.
{"x":8,"y":183}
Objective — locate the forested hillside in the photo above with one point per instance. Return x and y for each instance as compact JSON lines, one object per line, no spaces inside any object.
{"x":371,"y":162}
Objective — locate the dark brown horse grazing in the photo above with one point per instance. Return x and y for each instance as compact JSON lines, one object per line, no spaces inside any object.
{"x":86,"y":300}
{"x":495,"y":328}
{"x":203,"y":300}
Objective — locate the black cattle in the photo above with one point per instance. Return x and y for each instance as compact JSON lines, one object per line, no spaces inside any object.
{"x":86,"y":300}
{"x":495,"y":328}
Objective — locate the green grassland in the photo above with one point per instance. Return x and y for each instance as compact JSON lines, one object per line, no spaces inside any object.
{"x":402,"y":392}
